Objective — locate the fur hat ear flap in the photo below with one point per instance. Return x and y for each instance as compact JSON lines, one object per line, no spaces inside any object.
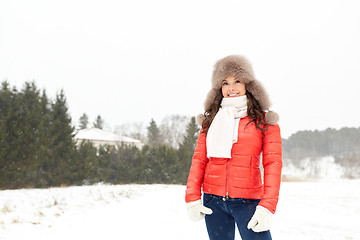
{"x":271,"y":118}
{"x":200,"y":119}
{"x":259,"y":93}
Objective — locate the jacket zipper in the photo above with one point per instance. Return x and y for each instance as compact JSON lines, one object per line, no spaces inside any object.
{"x":227,"y":178}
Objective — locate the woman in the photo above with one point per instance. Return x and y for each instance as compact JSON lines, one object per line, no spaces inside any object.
{"x":237,"y":127}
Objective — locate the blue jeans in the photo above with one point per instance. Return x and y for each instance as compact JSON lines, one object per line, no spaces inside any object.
{"x":226,"y":212}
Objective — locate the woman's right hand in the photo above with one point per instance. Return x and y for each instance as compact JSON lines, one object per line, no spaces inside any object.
{"x":196,"y":210}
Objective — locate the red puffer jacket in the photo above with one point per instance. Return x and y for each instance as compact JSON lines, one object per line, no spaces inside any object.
{"x":240,"y":176}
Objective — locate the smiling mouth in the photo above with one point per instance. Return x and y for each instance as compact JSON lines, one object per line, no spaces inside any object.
{"x":233,"y":94}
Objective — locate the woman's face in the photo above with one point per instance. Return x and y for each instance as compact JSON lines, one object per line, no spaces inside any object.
{"x":232,"y":87}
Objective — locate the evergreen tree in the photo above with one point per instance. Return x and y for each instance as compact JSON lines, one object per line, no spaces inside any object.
{"x":84,"y":121}
{"x":44,"y":141}
{"x":5,"y":110}
{"x":151,"y":169}
{"x":191,"y":135}
{"x":85,"y":160}
{"x":102,"y":169}
{"x":11,"y":121}
{"x":128,"y":165}
{"x":31,"y":117}
{"x":6,"y":103}
{"x":99,"y":122}
{"x":22,"y":143}
{"x":22,"y":128}
{"x":61,"y":166}
{"x":186,"y":149}
{"x":153,"y":134}
{"x":13,"y":148}
{"x":167,"y":160}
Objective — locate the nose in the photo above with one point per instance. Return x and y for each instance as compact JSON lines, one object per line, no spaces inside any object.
{"x":231,"y":87}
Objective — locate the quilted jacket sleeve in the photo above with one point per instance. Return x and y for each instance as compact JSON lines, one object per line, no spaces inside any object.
{"x":272,"y":162}
{"x":197,"y":169}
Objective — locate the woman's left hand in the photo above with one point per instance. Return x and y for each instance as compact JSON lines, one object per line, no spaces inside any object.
{"x":261,"y":220}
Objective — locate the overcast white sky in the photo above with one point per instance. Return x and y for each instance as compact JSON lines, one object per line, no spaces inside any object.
{"x":131,"y":61}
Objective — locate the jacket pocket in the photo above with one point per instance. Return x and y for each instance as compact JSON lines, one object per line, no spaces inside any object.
{"x":207,"y":199}
{"x":250,"y":201}
{"x":255,"y":173}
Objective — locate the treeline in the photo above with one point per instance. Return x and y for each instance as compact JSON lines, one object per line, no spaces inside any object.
{"x":342,"y":144}
{"x":37,"y":148}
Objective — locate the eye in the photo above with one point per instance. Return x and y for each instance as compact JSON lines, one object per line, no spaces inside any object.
{"x":237,"y":81}
{"x":224,"y":83}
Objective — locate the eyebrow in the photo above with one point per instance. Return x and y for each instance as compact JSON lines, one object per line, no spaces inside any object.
{"x":224,"y":80}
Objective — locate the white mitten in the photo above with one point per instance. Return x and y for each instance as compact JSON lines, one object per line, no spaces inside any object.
{"x":261,"y":221}
{"x":196,"y":210}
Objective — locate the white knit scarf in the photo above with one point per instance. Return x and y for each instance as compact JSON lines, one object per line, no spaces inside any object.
{"x":223,"y":131}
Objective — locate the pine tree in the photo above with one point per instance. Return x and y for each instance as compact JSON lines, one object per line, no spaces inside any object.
{"x":99,"y":122}
{"x":191,"y":135}
{"x":21,"y":130}
{"x":5,"y":108}
{"x":61,"y":165}
{"x":102,"y":169}
{"x":84,"y":121}
{"x":186,"y":150}
{"x":45,"y":139}
{"x":10,"y":126}
{"x":85,"y":159}
{"x":6,"y":96}
{"x":153,"y":134}
{"x":128,"y":165}
{"x":31,"y":118}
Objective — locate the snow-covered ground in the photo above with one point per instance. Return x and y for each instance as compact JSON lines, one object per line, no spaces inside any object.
{"x":324,"y":168}
{"x":306,"y":210}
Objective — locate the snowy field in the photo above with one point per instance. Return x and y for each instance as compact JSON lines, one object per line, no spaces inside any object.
{"x":306,"y":210}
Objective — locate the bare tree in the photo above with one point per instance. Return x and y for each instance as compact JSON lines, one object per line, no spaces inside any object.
{"x":173,"y":129}
{"x":132,"y":129}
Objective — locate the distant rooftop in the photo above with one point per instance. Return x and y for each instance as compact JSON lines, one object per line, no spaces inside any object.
{"x":101,"y":137}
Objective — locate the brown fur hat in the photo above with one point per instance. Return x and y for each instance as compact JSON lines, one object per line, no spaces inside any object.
{"x":239,"y":67}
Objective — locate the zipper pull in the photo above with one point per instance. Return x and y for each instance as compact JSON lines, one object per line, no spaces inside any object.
{"x":227,"y":196}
